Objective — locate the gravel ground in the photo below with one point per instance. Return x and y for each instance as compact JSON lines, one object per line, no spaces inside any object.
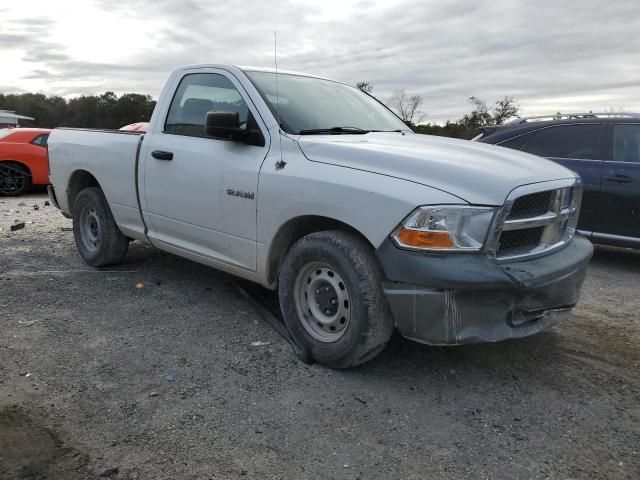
{"x":82,"y":349}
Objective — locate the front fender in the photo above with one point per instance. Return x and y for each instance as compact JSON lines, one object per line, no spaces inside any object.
{"x":371,"y":203}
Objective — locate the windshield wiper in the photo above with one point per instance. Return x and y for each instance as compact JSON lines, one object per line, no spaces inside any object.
{"x":333,"y":130}
{"x":388,"y":131}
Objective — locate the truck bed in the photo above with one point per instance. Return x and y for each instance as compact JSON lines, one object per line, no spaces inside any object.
{"x":108,"y":155}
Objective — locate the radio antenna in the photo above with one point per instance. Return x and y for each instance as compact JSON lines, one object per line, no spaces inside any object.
{"x":280,"y":163}
{"x":275,"y":61}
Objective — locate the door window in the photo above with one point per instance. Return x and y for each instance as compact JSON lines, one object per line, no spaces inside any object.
{"x":197,"y":94}
{"x":566,"y":141}
{"x":626,"y":143}
{"x":517,"y":142}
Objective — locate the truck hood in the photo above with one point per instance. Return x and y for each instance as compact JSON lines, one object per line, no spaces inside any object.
{"x":477,"y":173}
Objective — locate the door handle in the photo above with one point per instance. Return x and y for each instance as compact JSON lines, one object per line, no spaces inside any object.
{"x":160,"y":155}
{"x":619,"y":179}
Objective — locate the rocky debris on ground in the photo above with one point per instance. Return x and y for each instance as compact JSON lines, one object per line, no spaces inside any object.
{"x":37,"y":214}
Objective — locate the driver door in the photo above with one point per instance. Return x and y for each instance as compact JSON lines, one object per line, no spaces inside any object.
{"x":188,"y":175}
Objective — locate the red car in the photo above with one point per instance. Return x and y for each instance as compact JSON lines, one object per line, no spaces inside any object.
{"x":136,"y":127}
{"x":23,"y":159}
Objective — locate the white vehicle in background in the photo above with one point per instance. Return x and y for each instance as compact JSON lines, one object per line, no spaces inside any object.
{"x":9,"y":119}
{"x":314,"y":188}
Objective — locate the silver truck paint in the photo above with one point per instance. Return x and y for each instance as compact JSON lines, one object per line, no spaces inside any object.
{"x":368,"y":182}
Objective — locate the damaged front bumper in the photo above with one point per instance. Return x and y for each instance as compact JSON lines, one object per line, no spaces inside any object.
{"x":471,"y":298}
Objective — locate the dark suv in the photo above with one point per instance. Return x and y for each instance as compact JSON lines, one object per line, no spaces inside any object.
{"x":604,"y":149}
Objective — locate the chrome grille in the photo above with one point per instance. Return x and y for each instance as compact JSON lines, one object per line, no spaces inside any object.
{"x":531,"y":205}
{"x":536,"y":219}
{"x":520,"y":239}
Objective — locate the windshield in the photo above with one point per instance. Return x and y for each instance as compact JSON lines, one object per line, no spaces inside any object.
{"x":314,"y":105}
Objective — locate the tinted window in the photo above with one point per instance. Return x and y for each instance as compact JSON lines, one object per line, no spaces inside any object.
{"x":198,"y":94}
{"x":626,"y":143}
{"x":41,"y":140}
{"x":566,"y":141}
{"x":517,"y":142}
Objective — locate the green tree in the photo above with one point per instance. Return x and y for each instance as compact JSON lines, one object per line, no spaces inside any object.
{"x":449,"y":129}
{"x":365,"y":86}
{"x":106,"y":110}
{"x":132,"y":108}
{"x":471,"y":123}
{"x":504,"y":109}
{"x":481,"y":116}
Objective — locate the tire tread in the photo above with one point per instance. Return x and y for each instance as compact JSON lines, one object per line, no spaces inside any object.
{"x":113,"y":244}
{"x":379,"y":323}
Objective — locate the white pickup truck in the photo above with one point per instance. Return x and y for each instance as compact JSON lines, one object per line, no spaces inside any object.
{"x":314,"y":188}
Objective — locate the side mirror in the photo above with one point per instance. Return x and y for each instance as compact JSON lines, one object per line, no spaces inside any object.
{"x":226,"y":126}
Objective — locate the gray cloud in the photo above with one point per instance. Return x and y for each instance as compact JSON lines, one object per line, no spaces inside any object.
{"x":13,"y":40}
{"x":571,"y":55}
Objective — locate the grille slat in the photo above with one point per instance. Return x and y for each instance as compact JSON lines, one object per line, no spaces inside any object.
{"x":526,"y":239}
{"x":535,"y":222}
{"x":531,"y":205}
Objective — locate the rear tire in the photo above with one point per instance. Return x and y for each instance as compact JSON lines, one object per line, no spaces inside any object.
{"x":332,"y":299}
{"x":98,"y":238}
{"x":14,"y":179}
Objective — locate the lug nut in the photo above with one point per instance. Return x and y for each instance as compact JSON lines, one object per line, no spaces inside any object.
{"x":333,"y":301}
{"x":318,"y":304}
{"x":327,"y":311}
{"x":317,"y":290}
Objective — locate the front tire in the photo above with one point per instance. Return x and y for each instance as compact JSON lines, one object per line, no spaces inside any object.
{"x":332,"y":299}
{"x":98,"y":238}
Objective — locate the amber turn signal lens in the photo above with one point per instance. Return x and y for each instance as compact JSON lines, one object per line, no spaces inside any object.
{"x":422,"y":239}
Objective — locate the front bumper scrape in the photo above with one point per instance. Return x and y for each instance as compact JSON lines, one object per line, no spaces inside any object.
{"x":470,"y":298}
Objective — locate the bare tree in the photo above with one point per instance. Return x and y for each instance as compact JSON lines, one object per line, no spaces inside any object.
{"x":365,"y":86}
{"x":406,"y":106}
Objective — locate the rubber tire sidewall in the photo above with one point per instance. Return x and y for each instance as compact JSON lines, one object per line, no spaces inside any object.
{"x":113,"y":244}
{"x":371,"y":323}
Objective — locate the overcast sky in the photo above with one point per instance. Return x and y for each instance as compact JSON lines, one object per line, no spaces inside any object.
{"x":552,"y":55}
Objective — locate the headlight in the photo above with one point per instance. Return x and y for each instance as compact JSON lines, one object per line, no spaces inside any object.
{"x":445,"y":228}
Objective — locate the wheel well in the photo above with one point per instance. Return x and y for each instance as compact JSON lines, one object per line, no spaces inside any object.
{"x":294,"y":230}
{"x":16,"y":162}
{"x":80,"y":179}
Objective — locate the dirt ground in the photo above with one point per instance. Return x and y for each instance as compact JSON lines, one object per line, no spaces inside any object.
{"x":82,"y":350}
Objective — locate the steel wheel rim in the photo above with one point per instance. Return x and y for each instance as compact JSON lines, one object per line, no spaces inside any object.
{"x":323,"y":302}
{"x":90,"y":228}
{"x":12,"y":180}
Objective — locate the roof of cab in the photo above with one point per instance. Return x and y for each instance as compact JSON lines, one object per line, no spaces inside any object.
{"x":242,"y":68}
